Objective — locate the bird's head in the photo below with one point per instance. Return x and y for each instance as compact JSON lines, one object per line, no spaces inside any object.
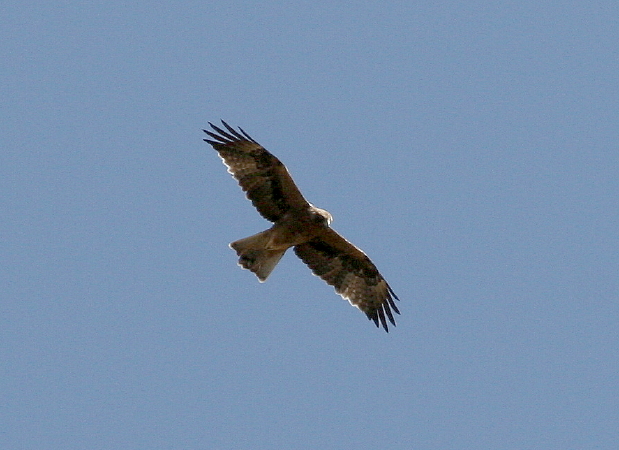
{"x":321,"y":216}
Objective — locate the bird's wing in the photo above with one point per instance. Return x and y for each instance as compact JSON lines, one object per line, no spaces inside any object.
{"x":351,"y":273}
{"x":261,"y":175}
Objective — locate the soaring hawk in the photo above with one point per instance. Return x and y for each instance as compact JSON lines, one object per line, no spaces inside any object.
{"x":298,"y":224}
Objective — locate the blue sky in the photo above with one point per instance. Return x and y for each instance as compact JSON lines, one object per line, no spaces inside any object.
{"x":470,"y":148}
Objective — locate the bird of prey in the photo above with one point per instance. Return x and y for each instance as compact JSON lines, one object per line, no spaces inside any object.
{"x":298,"y":224}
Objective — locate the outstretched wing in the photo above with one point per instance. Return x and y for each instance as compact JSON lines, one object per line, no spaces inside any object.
{"x":261,"y":175}
{"x":350,"y":271}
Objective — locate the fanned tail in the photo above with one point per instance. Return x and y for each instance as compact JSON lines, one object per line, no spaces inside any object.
{"x":254,"y":256}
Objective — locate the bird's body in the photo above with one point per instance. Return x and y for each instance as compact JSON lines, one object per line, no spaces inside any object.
{"x":298,"y":224}
{"x":261,"y":252}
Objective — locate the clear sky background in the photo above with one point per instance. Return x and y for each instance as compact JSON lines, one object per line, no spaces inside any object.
{"x":471,"y":148}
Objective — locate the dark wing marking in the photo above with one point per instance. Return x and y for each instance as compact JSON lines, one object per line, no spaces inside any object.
{"x":261,"y":175}
{"x":350,"y":271}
